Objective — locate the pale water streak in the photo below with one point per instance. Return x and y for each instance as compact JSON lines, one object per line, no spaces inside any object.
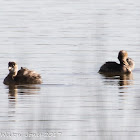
{"x":67,"y":41}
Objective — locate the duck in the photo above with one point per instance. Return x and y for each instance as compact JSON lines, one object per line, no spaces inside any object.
{"x":126,"y":65}
{"x":22,"y":76}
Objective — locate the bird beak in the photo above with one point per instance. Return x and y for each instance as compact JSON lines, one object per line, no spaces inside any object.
{"x":9,"y":68}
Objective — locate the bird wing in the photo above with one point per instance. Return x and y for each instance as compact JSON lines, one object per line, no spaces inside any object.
{"x":27,"y":76}
{"x":109,"y":67}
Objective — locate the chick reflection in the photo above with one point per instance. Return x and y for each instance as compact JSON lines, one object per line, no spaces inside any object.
{"x":124,"y":79}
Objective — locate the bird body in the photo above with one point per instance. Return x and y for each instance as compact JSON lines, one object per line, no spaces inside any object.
{"x":126,"y":65}
{"x":23,"y":76}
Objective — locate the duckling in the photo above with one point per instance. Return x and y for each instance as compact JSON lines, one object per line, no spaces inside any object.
{"x":23,"y":76}
{"x":126,"y":64}
{"x":131,"y":64}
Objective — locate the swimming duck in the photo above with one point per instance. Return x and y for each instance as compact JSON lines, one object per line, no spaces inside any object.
{"x":126,"y":64}
{"x":23,"y":76}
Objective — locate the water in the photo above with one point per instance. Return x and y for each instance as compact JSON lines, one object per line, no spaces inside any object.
{"x":66,"y":42}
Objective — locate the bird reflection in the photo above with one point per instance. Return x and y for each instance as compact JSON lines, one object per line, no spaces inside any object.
{"x":122,"y":79}
{"x":14,"y":90}
{"x":126,"y":79}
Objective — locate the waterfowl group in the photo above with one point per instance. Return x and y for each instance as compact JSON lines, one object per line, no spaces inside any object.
{"x":26,"y":76}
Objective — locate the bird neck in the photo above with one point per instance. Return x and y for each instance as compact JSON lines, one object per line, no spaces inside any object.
{"x":124,"y":62}
{"x":12,"y":74}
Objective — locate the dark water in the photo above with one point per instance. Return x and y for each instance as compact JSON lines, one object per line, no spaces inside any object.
{"x":66,"y":42}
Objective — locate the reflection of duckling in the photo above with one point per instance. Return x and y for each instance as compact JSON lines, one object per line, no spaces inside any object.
{"x":126,"y":79}
{"x":131,"y":64}
{"x":126,"y":64}
{"x":23,"y":76}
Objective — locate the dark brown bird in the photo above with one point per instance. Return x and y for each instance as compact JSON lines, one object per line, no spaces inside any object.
{"x":23,"y":76}
{"x":126,"y":65}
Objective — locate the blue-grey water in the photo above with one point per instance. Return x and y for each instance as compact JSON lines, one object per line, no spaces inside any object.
{"x":67,"y":41}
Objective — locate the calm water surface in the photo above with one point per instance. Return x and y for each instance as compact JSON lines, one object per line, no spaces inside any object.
{"x":67,"y":41}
